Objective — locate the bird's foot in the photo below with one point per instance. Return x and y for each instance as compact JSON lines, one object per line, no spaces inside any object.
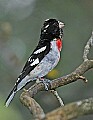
{"x":45,"y":81}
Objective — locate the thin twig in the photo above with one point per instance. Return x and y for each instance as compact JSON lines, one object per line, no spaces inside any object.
{"x":87,"y":48}
{"x":58,"y":97}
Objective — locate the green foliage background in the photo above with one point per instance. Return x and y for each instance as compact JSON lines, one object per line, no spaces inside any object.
{"x":20,"y":23}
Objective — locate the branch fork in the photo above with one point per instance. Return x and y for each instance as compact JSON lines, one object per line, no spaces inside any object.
{"x":69,"y":111}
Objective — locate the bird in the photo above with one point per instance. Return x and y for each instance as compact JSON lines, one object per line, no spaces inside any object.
{"x":43,"y":59}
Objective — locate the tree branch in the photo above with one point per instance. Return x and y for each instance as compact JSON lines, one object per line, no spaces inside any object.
{"x":87,"y":48}
{"x":72,"y":110}
{"x":26,"y":96}
{"x":55,"y":93}
{"x":32,"y":105}
{"x":72,"y":77}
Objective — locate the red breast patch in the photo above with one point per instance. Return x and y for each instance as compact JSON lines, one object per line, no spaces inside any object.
{"x":59,"y":44}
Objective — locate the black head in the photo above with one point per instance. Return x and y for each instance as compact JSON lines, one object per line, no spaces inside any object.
{"x":51,"y":29}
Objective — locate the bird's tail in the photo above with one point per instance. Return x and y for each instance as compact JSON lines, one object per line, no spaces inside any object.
{"x":10,"y":97}
{"x":18,"y":85}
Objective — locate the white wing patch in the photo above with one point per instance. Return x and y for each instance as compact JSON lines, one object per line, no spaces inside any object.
{"x":18,"y":79}
{"x":45,"y":30}
{"x":30,"y":60}
{"x":35,"y":62}
{"x":40,"y":50}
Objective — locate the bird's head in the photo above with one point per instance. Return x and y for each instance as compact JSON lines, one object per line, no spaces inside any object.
{"x":51,"y":29}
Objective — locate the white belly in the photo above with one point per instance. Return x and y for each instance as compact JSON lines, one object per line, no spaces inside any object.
{"x":48,"y":63}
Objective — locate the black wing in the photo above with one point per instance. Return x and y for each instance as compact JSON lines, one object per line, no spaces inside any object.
{"x":29,"y":66}
{"x":38,"y":54}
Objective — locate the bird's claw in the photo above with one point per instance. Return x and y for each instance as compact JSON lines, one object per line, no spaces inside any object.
{"x":46,"y":83}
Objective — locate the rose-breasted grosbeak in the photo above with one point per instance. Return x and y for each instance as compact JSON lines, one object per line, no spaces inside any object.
{"x":43,"y":59}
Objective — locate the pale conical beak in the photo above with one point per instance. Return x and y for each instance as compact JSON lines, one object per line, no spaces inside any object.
{"x":61,"y":25}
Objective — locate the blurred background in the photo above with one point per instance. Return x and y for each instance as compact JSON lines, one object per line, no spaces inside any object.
{"x":20,"y":24}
